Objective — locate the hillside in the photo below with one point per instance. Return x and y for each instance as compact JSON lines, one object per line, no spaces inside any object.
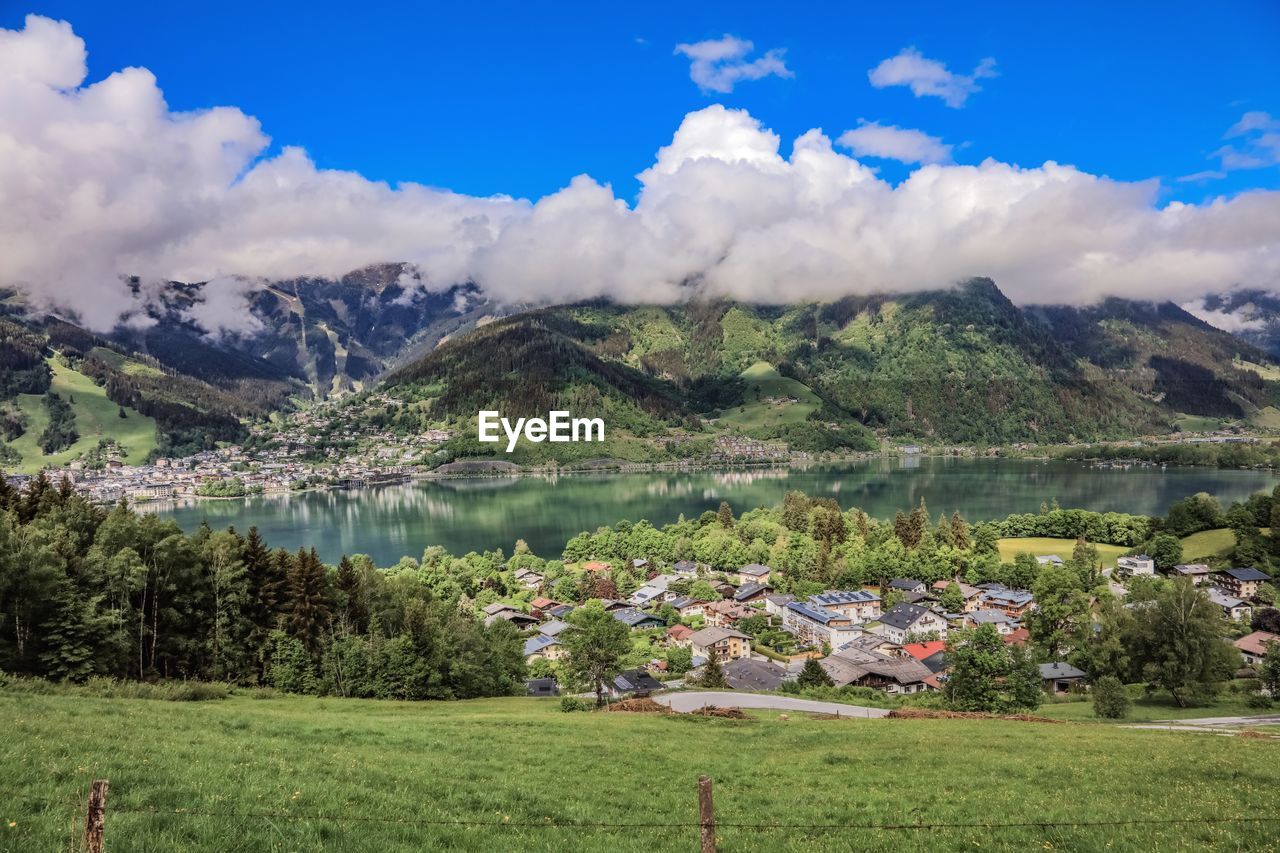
{"x":165,"y":411}
{"x":96,"y":419}
{"x":364,"y":775}
{"x":959,"y":366}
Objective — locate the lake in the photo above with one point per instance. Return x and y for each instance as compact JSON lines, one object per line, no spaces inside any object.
{"x":388,"y":522}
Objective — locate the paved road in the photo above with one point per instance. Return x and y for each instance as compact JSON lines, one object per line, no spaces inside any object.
{"x":1260,"y":720}
{"x":1209,"y":725}
{"x":685,"y":702}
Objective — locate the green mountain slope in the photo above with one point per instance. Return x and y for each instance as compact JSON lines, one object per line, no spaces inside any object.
{"x":96,"y":418}
{"x":963,"y":366}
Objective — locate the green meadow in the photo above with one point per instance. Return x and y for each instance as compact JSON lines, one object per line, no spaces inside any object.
{"x":518,"y":774}
{"x":96,"y":418}
{"x":1043,"y":546}
{"x":763,"y":381}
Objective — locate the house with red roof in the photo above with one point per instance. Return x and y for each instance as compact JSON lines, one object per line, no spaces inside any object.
{"x":1254,"y":646}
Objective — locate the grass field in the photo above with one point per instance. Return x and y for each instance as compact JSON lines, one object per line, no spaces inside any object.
{"x":764,"y":381}
{"x":96,"y":418}
{"x":508,"y":774}
{"x":1042,"y":546}
{"x":1212,"y":543}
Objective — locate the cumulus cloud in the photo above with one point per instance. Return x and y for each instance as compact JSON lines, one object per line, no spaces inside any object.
{"x":104,"y":181}
{"x":717,"y":65}
{"x":887,"y":141}
{"x":929,"y":77}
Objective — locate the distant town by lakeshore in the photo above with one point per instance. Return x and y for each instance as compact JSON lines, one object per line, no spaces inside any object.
{"x":283,"y":458}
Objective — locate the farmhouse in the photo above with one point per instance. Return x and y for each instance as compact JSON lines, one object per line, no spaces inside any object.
{"x":723,"y":643}
{"x":748,"y":674}
{"x":1253,"y":647}
{"x":894,"y":675}
{"x":1059,"y":677}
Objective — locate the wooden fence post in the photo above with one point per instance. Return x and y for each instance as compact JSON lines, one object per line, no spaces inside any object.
{"x":96,"y":818}
{"x":706,"y":815}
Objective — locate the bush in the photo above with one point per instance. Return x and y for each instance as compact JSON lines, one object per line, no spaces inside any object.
{"x":1259,"y":701}
{"x":111,"y":688}
{"x":1110,"y":698}
{"x":569,"y":704}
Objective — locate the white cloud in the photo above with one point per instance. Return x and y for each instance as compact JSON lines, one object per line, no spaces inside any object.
{"x":1240,"y":321}
{"x":1257,"y":145}
{"x":717,"y":65}
{"x":1202,"y":177}
{"x":104,"y":181}
{"x":930,"y":77}
{"x":872,"y":139}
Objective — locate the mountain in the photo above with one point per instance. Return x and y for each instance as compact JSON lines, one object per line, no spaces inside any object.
{"x":311,"y":337}
{"x":1253,"y":315}
{"x":963,"y":365}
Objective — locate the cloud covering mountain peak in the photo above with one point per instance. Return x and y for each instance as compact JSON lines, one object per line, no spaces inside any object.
{"x":105,"y":181}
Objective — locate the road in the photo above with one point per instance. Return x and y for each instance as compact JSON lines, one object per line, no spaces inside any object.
{"x":1209,"y":725}
{"x":685,"y":702}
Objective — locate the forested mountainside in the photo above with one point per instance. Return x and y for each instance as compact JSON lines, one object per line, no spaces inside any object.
{"x":321,"y":335}
{"x":959,"y":365}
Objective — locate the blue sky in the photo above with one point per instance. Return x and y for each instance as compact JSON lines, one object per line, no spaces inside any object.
{"x":518,"y":98}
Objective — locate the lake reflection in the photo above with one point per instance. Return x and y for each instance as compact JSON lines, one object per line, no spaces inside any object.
{"x":462,"y":515}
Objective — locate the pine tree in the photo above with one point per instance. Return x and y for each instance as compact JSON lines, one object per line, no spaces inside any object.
{"x":725,"y":515}
{"x":959,"y":531}
{"x":351,"y":587}
{"x":813,"y":675}
{"x":713,"y":674}
{"x":308,"y":615}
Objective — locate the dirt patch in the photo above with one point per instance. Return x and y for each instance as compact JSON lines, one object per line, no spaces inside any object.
{"x":713,"y":711}
{"x":930,"y":714}
{"x":1256,"y":735}
{"x":638,"y":706}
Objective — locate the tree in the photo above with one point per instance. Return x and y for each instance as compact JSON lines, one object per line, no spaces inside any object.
{"x":1269,"y":671}
{"x":986,"y":675}
{"x":308,"y":616}
{"x":679,"y":660}
{"x":952,"y":598}
{"x":979,"y":662}
{"x":713,"y":674}
{"x":1062,"y":606}
{"x":959,"y":531}
{"x":1178,"y":643}
{"x":724,"y":516}
{"x":351,"y":590}
{"x":1166,"y":551}
{"x":813,"y":675}
{"x":1110,"y":698}
{"x":1024,"y":689}
{"x":1266,"y":619}
{"x":596,"y":644}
